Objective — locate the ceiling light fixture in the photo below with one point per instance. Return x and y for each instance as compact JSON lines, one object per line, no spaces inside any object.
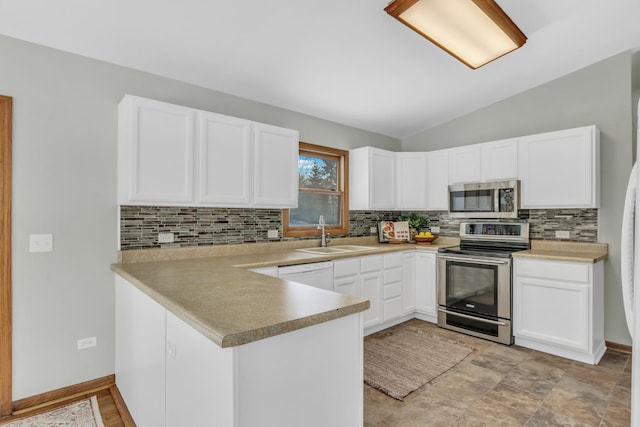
{"x":474,"y":31}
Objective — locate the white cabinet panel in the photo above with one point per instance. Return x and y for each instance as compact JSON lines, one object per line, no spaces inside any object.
{"x":411,"y":181}
{"x":560,"y":169}
{"x":371,"y":179}
{"x":140,"y":354}
{"x":225,"y":152}
{"x":409,"y":282}
{"x":426,"y":291}
{"x":438,"y":180}
{"x":155,"y":152}
{"x":371,"y":282}
{"x":198,"y":378}
{"x":392,"y":287}
{"x":464,"y":164}
{"x":558,"y":308}
{"x":241,"y":163}
{"x":499,"y":160}
{"x":276,"y":166}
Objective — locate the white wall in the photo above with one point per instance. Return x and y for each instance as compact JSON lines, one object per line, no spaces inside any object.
{"x":600,"y":94}
{"x":64,"y":182}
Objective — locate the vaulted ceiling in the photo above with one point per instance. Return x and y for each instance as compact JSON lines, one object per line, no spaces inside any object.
{"x":342,"y":60}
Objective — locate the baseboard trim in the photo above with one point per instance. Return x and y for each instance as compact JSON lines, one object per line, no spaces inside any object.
{"x":619,"y":347}
{"x":127,"y":419}
{"x":62,"y":394}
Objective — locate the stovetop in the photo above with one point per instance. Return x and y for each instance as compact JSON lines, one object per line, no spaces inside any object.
{"x":491,"y":239}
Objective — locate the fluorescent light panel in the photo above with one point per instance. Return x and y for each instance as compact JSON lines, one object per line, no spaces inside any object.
{"x":474,"y":31}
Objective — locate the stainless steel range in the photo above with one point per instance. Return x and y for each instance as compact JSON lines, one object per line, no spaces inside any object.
{"x":474,"y":279}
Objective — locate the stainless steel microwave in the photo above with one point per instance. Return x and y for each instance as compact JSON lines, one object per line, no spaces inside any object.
{"x":499,"y":199}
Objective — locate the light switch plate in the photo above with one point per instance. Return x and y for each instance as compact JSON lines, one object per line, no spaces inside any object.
{"x":272,"y":234}
{"x":87,"y":343}
{"x":435,"y":229}
{"x":562,"y":234}
{"x":41,"y":243}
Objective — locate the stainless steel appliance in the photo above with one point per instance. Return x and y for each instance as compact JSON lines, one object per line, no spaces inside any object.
{"x":475,"y":279}
{"x":499,"y":199}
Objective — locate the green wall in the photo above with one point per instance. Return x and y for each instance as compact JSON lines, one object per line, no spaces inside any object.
{"x":64,"y":182}
{"x":603,"y":94}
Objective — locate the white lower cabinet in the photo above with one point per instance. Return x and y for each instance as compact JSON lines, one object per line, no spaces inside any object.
{"x":409,"y":282}
{"x":426,"y":286}
{"x":346,"y":276}
{"x":558,"y":308}
{"x":393,"y":281}
{"x":170,"y":375}
{"x":371,"y":288}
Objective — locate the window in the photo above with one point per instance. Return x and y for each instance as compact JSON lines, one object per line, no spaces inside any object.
{"x":323,"y":190}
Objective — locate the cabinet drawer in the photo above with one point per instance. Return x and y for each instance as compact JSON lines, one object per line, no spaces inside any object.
{"x":393,"y":290}
{"x":370,"y":263}
{"x":554,"y":270}
{"x":393,"y":260}
{"x":346,"y":267}
{"x":393,"y":275}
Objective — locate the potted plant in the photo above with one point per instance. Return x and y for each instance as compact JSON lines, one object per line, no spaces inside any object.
{"x":416,"y":223}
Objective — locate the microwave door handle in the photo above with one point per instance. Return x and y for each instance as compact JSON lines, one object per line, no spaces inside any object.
{"x":479,"y":319}
{"x":476,"y":261}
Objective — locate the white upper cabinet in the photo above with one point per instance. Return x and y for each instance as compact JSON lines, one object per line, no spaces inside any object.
{"x":275,"y":181}
{"x":560,"y":169}
{"x":155,"y":152}
{"x":225,"y":159}
{"x":464,"y":164}
{"x":437,"y":181}
{"x":371,"y":179}
{"x":170,"y":155}
{"x":411,"y":179}
{"x":499,"y":160}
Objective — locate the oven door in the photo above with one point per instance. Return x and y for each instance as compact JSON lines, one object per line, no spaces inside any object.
{"x":474,"y":295}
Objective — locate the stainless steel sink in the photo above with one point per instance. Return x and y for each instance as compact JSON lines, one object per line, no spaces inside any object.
{"x":336,"y":249}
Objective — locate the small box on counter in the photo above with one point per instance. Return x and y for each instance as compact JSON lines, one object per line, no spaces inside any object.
{"x":393,"y":232}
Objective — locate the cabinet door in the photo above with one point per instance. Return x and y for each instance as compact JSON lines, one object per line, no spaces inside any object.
{"x":371,"y":284}
{"x":438,"y":180}
{"x":155,"y":152}
{"x":371,"y":288}
{"x":140,"y":353}
{"x":411,"y":181}
{"x":426,"y":291}
{"x":560,"y":169}
{"x":552,"y":312}
{"x":392,"y":306}
{"x":276,"y":166}
{"x":464,"y":164}
{"x":346,"y":276}
{"x":382,"y":179}
{"x":199,"y":378}
{"x":347,"y":285}
{"x":499,"y":160}
{"x":409,"y":282}
{"x":225,"y":160}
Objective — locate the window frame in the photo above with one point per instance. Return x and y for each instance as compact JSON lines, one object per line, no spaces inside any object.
{"x":321,"y":151}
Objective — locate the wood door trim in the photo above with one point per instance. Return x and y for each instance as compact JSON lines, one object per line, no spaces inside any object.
{"x":6,"y":104}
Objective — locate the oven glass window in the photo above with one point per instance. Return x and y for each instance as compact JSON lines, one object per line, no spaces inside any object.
{"x":471,"y":201}
{"x":472,"y":287}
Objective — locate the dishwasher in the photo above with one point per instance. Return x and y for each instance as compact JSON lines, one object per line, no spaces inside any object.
{"x":317,"y":274}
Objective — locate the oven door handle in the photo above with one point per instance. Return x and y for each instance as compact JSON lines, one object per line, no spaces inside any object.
{"x":479,"y":319}
{"x":476,"y":260}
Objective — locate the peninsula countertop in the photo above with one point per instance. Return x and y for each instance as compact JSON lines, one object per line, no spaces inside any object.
{"x":212,"y":289}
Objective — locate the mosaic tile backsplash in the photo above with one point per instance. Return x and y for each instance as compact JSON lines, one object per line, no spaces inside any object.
{"x":140,"y":225}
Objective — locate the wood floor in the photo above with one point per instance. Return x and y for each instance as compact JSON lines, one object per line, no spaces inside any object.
{"x":109,"y":409}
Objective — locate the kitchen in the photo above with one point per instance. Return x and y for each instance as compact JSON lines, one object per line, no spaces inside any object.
{"x":65,"y":183}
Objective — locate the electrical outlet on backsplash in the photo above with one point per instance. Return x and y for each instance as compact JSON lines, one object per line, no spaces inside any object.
{"x":140,"y":225}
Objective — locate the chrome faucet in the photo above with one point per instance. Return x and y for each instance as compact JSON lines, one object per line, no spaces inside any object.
{"x":325,"y":236}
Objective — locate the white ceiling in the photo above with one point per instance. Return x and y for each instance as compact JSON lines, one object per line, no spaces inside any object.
{"x":342,"y":60}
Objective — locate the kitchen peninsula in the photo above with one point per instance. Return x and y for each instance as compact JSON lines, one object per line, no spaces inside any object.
{"x":203,"y":338}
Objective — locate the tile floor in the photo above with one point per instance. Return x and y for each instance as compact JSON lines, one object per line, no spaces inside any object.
{"x":499,"y":385}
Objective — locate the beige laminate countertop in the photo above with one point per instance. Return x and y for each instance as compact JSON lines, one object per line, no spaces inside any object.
{"x":211,"y":289}
{"x":565,"y":251}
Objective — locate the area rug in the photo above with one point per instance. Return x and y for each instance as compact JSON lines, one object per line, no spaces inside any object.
{"x":406,"y":359}
{"x":84,"y":413}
